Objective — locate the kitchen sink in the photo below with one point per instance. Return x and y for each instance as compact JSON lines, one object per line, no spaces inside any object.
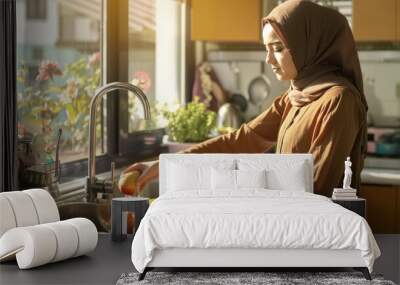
{"x":98,"y":213}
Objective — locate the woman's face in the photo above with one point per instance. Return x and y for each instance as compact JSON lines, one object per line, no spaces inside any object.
{"x":278,"y":56}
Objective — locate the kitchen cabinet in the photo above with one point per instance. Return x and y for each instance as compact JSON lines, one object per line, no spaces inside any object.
{"x":226,"y":20}
{"x":376,"y":20}
{"x":383,"y":207}
{"x":398,"y":20}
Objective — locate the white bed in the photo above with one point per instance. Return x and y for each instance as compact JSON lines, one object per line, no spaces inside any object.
{"x":198,"y":223}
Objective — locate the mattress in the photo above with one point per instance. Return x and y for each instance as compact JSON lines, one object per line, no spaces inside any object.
{"x":250,"y":219}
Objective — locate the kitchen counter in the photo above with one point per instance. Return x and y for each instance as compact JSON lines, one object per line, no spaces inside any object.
{"x":75,"y":190}
{"x":382,"y":171}
{"x":380,"y":176}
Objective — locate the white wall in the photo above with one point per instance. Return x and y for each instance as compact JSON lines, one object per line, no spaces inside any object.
{"x":168,"y":51}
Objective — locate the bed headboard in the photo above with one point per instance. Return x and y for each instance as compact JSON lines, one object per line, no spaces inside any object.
{"x":210,"y":159}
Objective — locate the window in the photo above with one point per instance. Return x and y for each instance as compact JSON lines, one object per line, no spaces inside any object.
{"x":58,"y":70}
{"x":81,"y":45}
{"x":155,"y":55}
{"x":151,"y":55}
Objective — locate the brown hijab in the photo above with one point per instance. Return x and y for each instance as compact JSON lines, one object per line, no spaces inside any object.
{"x":322,"y":47}
{"x":324,"y":53}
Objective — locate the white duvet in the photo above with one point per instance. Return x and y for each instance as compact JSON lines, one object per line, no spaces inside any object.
{"x":250,"y":219}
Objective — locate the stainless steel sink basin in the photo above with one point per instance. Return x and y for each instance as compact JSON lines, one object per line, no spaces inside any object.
{"x":98,"y":213}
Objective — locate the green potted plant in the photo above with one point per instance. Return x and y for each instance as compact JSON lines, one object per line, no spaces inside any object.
{"x":191,"y":123}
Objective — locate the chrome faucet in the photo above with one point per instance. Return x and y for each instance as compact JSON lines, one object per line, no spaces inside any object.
{"x":95,"y":185}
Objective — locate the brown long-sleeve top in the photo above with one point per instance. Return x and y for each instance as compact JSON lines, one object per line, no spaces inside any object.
{"x":329,"y":128}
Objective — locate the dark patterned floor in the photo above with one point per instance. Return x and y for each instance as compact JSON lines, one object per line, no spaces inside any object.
{"x":243,"y":278}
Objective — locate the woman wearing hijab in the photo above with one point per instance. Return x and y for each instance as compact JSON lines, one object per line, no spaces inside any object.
{"x":324,"y":110}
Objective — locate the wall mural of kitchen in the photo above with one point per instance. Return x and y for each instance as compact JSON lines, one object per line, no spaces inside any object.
{"x":132,"y":128}
{"x":248,"y":86}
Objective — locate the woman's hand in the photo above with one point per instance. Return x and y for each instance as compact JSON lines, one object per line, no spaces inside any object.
{"x":137,"y":176}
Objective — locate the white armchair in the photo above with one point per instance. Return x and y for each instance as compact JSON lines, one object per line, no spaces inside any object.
{"x":31,"y":230}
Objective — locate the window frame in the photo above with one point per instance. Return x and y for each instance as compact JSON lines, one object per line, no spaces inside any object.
{"x":123,"y":150}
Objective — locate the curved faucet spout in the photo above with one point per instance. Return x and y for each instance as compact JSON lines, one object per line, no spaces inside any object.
{"x":100,"y":92}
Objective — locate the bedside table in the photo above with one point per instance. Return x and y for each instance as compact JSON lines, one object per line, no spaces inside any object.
{"x":357,"y":205}
{"x":120,"y":205}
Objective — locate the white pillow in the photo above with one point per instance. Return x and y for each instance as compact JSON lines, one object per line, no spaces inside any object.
{"x":251,"y":178}
{"x":281,"y":175}
{"x":223,"y":179}
{"x":227,"y":179}
{"x":293,"y":180}
{"x":189,"y":176}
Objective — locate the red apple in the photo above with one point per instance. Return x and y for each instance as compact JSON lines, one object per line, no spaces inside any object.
{"x":127,"y":183}
{"x":131,"y":223}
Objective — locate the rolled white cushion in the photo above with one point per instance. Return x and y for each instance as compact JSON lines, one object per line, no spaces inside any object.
{"x":23,"y":208}
{"x":41,"y":244}
{"x":87,"y":235}
{"x":33,"y":246}
{"x":67,"y":240}
{"x":45,"y":205}
{"x":7,"y":218}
